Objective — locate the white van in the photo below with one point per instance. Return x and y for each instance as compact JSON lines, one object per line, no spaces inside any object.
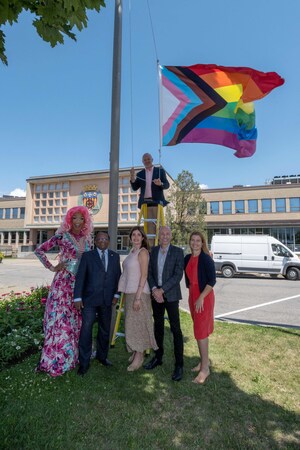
{"x":253,"y":254}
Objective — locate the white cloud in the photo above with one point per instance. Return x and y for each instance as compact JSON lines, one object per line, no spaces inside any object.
{"x":203,"y":186}
{"x":18,"y":192}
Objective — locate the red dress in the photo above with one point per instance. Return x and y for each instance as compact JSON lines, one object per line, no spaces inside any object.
{"x":204,"y":320}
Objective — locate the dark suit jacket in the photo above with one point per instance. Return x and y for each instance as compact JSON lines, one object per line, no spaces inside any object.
{"x":206,"y":271}
{"x":157,"y":191}
{"x":93,"y":285}
{"x":172,"y":272}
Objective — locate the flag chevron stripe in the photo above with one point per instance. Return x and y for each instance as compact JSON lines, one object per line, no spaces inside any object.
{"x":211,"y":103}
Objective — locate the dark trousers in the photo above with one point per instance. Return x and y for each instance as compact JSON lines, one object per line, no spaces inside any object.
{"x":159,"y":327}
{"x":89,"y":313}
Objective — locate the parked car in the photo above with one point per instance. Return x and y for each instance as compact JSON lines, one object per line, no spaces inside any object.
{"x":253,"y":254}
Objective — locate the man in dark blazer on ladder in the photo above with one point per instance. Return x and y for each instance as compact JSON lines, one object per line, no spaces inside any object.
{"x":152,"y":181}
{"x":164,"y":276}
{"x":95,"y":292}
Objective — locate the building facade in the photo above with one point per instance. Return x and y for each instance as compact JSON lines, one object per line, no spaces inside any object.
{"x":272,"y":209}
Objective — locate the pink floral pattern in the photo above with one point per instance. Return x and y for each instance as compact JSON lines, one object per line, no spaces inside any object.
{"x":62,"y":322}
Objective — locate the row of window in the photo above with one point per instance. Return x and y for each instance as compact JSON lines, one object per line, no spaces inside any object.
{"x":12,"y":213}
{"x":124,"y":217}
{"x":12,"y":237}
{"x":253,"y":206}
{"x":47,"y":195}
{"x":51,"y":187}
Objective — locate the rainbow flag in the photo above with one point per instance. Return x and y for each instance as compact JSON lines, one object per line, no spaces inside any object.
{"x":213,"y":104}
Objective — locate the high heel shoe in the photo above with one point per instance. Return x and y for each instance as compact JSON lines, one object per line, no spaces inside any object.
{"x":135,"y":365}
{"x":202,"y":377}
{"x":131,"y":358}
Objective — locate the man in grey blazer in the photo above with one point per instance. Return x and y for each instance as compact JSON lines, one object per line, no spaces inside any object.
{"x":165,"y":273}
{"x":95,"y":291}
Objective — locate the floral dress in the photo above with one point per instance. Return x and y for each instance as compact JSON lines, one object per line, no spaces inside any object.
{"x":62,"y":322}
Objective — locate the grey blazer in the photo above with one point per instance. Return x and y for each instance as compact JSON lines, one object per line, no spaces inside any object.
{"x":172,"y":272}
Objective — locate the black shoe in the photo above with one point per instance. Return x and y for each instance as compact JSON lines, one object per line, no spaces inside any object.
{"x":105,"y":362}
{"x":177,"y":374}
{"x":82,"y":371}
{"x":153,"y":363}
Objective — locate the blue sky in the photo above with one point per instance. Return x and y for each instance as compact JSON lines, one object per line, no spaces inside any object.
{"x":56,"y":103}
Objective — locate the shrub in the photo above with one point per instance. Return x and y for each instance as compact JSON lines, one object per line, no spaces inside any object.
{"x":21,"y":322}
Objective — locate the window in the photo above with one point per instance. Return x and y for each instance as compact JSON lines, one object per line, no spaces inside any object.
{"x":280,"y":204}
{"x":64,"y":202}
{"x":124,"y":216}
{"x":124,"y":198}
{"x":57,"y":210}
{"x":125,"y":190}
{"x":37,"y":203}
{"x":278,"y":250}
{"x":57,"y":194}
{"x":44,"y":195}
{"x":252,"y":206}
{"x":35,"y":219}
{"x":133,"y":207}
{"x":50,"y":202}
{"x":38,"y":188}
{"x":295,"y":204}
{"x":266,"y":205}
{"x":124,"y":207}
{"x":65,"y":194}
{"x":64,"y":210}
{"x":214,"y":207}
{"x":50,"y":210}
{"x":43,"y":210}
{"x":37,"y":195}
{"x":15,"y":213}
{"x":1,"y":213}
{"x":56,"y":218}
{"x":65,"y":185}
{"x":7,"y":213}
{"x":44,"y":203}
{"x":22,"y":213}
{"x":125,"y":180}
{"x":49,"y":218}
{"x":58,"y":186}
{"x":51,"y":194}
{"x":239,"y":206}
{"x":45,"y":187}
{"x":227,"y":208}
{"x":57,"y":202}
{"x":133,"y":198}
{"x":132,"y":216}
{"x":51,"y":187}
{"x":36,"y":211}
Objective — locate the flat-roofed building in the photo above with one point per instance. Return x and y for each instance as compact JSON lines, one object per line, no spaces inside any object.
{"x":272,"y":209}
{"x":13,"y":233}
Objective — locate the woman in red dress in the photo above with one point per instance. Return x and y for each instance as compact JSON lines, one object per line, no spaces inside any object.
{"x":200,"y":276}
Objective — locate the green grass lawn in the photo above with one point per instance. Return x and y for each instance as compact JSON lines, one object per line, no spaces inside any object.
{"x":250,"y":401}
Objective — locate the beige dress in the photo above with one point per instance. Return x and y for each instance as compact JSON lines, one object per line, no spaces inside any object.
{"x":139,"y":331}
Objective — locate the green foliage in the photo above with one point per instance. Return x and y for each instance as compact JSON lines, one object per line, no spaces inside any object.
{"x":53,"y":19}
{"x":187,"y":210}
{"x":1,"y":256}
{"x":21,"y":318}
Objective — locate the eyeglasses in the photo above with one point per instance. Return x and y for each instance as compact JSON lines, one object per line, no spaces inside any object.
{"x":102,"y":239}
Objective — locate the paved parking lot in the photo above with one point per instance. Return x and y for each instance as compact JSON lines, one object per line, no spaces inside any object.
{"x":249,"y":299}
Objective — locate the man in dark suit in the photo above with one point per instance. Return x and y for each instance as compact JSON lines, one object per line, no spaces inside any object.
{"x":95,"y":291}
{"x":165,"y":273}
{"x":152,"y":181}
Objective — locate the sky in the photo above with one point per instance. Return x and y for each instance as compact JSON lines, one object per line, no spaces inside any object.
{"x":55,"y":103}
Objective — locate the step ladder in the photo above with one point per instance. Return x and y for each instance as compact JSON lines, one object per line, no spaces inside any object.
{"x":116,"y":334}
{"x":158,"y":222}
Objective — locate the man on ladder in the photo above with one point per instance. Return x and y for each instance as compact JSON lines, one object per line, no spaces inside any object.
{"x":152,"y":181}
